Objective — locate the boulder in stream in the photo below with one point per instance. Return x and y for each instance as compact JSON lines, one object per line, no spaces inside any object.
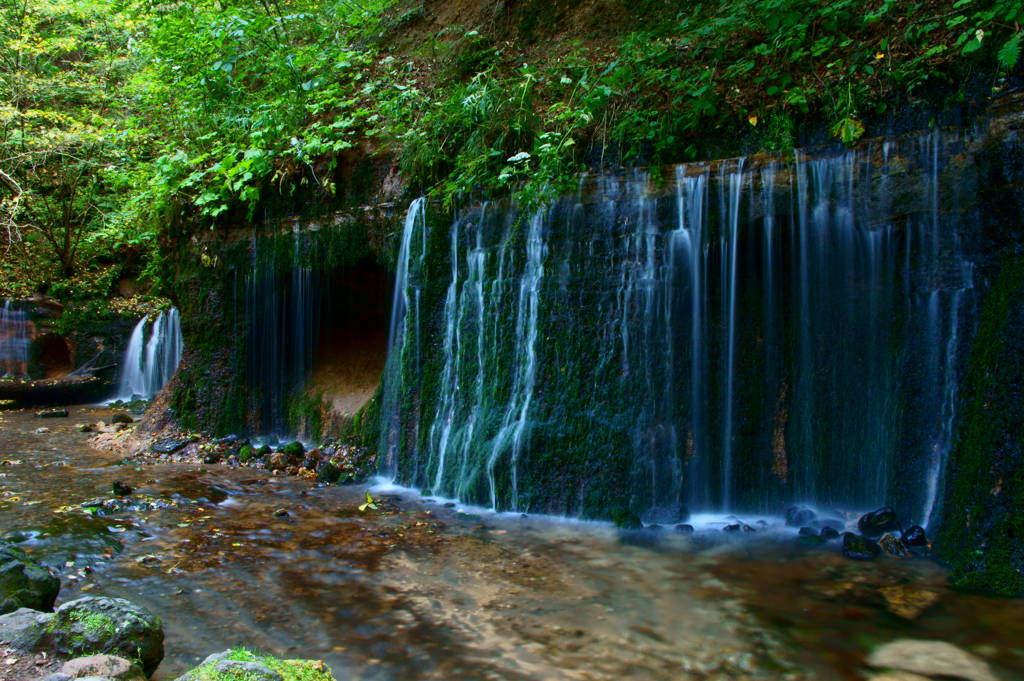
{"x":24,"y":583}
{"x":878,"y":522}
{"x":857,"y":547}
{"x":915,"y":536}
{"x":52,"y":413}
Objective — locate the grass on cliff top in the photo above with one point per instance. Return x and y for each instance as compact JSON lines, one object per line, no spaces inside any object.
{"x":290,"y":670}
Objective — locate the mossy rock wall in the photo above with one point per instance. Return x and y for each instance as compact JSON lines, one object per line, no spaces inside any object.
{"x":982,"y":532}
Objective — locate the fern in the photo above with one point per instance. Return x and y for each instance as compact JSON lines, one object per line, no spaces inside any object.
{"x":1009,"y":53}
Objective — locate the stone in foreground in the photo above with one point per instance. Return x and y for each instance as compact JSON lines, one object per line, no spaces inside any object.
{"x":96,"y":625}
{"x":104,"y":666}
{"x":930,"y":658}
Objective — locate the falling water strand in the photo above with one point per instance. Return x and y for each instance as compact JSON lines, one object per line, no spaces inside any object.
{"x":148,"y":364}
{"x":629,"y":345}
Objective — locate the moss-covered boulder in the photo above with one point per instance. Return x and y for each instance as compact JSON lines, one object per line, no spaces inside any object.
{"x":244,"y":665}
{"x":982,"y":532}
{"x":24,"y":583}
{"x":94,"y":625}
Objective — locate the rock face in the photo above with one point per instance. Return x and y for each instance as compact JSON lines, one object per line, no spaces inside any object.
{"x":930,"y":658}
{"x":983,"y":511}
{"x":105,"y":666}
{"x":87,"y":626}
{"x":24,"y":583}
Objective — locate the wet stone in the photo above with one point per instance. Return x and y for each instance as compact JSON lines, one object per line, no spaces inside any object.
{"x":892,"y":546}
{"x":856,"y":547}
{"x":829,"y":533}
{"x":796,"y":516}
{"x":52,"y":413}
{"x":121,"y":489}
{"x":122,"y":417}
{"x":914,"y":536}
{"x":878,"y":522}
{"x":684,"y":529}
{"x":170,"y":445}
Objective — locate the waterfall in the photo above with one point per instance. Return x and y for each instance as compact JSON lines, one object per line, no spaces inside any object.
{"x":639,"y":345}
{"x":15,"y":340}
{"x":406,"y":294}
{"x":152,"y":356}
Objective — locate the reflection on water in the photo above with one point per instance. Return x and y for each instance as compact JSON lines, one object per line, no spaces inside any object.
{"x":417,"y":590}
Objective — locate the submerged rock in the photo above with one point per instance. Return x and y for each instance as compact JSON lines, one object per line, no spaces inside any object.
{"x":52,"y":413}
{"x":684,"y":529}
{"x":931,"y":658}
{"x":878,"y":522}
{"x":121,"y":489}
{"x":24,"y":583}
{"x":807,"y":532}
{"x":857,"y":547}
{"x":908,"y":601}
{"x":797,"y":516}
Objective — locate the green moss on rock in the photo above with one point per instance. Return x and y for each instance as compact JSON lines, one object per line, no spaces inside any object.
{"x":240,"y":664}
{"x":983,"y":519}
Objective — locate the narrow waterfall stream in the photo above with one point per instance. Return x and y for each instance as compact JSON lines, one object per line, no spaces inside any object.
{"x":15,"y":340}
{"x":731,"y":338}
{"x":153,"y":353}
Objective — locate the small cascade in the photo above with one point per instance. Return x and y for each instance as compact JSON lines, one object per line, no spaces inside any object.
{"x":152,"y":356}
{"x":753,"y":334}
{"x":15,"y":340}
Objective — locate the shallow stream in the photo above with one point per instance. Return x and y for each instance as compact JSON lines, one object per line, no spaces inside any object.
{"x":417,"y":590}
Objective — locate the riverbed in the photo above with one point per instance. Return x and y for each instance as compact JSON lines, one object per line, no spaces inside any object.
{"x":419,"y":589}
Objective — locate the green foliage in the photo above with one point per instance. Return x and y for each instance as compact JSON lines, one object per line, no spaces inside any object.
{"x":121,"y":124}
{"x":368,"y":504}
